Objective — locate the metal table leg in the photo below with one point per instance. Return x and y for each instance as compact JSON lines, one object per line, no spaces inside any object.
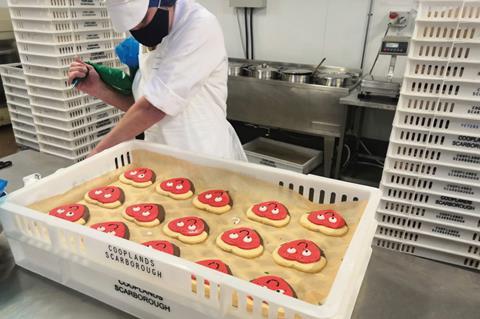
{"x":328,"y":150}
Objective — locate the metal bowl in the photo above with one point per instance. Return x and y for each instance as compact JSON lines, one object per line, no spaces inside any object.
{"x":297,"y":75}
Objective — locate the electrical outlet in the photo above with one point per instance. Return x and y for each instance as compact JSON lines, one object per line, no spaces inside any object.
{"x":248,"y":3}
{"x":399,"y":19}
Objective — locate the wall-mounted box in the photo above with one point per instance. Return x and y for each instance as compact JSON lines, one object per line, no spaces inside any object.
{"x":248,"y":3}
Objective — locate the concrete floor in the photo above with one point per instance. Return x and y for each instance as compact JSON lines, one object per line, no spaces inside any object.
{"x":7,"y":141}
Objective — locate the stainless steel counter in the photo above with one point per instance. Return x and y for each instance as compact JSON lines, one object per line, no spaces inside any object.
{"x":396,"y":285}
{"x":377,"y":103}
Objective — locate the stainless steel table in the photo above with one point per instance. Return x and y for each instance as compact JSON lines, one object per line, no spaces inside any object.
{"x":396,"y":285}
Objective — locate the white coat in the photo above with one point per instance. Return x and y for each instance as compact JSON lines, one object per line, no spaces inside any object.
{"x":186,"y":77}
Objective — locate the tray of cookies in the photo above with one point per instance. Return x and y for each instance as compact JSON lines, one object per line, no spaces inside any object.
{"x":158,"y":232}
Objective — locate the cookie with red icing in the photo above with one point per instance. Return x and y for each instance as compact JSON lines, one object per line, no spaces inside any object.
{"x":244,"y":242}
{"x":189,"y":230}
{"x":275,"y":283}
{"x":163,"y":246}
{"x":138,"y":177}
{"x":176,"y":188}
{"x":118,"y":229}
{"x":107,"y":197}
{"x":270,"y":213}
{"x":146,"y":215}
{"x":214,"y":201}
{"x":303,"y":255}
{"x":216,"y":264}
{"x":328,"y":222}
{"x":76,"y":213}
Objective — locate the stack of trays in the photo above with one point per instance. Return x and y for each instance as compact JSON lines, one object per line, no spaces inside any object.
{"x":50,"y":34}
{"x":18,"y":104}
{"x":431,"y":182}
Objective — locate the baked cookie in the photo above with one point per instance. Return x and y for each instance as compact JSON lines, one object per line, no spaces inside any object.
{"x":270,"y":213}
{"x":275,"y":283}
{"x":244,"y":242}
{"x":107,"y":197}
{"x":146,"y":215}
{"x":76,"y":213}
{"x":176,"y":188}
{"x":214,"y":264}
{"x":163,"y":246}
{"x":138,"y":177}
{"x":118,"y":229}
{"x":303,"y":255}
{"x":189,"y":230}
{"x":214,"y":201}
{"x":327,"y":222}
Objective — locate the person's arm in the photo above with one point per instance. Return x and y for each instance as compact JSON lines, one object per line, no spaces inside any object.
{"x":93,"y":85}
{"x":141,"y":116}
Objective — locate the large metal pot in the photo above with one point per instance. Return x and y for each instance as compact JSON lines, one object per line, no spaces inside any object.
{"x":334,"y":80}
{"x":262,"y":72}
{"x":297,"y":75}
{"x":235,"y":69}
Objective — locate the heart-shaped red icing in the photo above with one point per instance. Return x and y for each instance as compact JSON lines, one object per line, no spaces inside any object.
{"x":328,"y":218}
{"x":275,"y":283}
{"x":118,"y":229}
{"x":163,"y":246}
{"x":177,"y":186}
{"x":215,"y":198}
{"x":302,"y":251}
{"x":244,"y":238}
{"x":140,"y":175}
{"x":187,"y":226}
{"x":106,"y":195}
{"x":215,"y":264}
{"x":272,"y":210}
{"x":145,"y":212}
{"x":71,"y":212}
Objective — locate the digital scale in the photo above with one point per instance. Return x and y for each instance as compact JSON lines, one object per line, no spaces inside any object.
{"x":386,"y":86}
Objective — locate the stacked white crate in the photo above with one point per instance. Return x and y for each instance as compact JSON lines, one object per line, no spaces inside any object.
{"x":50,"y":34}
{"x":431,"y":183}
{"x":18,"y":104}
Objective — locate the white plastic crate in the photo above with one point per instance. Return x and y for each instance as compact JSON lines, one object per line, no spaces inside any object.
{"x":75,"y":154}
{"x":441,"y":88}
{"x":438,"y":216}
{"x":62,"y":104}
{"x":52,"y":13}
{"x":439,"y":70}
{"x":447,"y":31}
{"x":67,"y":37}
{"x":436,"y":241}
{"x":444,"y":230}
{"x":434,"y":201}
{"x":429,"y":156}
{"x":19,"y":108}
{"x":56,"y":3}
{"x":58,"y":93}
{"x":81,"y":251}
{"x":55,"y":26}
{"x":26,"y":127}
{"x":18,"y":100}
{"x":436,"y":123}
{"x":65,"y":61}
{"x":25,"y":135}
{"x":24,"y":142}
{"x":69,"y":124}
{"x":14,"y":69}
{"x":390,"y":243}
{"x":64,"y":49}
{"x":69,"y":144}
{"x":15,"y":90}
{"x":77,"y":132}
{"x":433,"y":170}
{"x":70,"y":114}
{"x":439,"y":106}
{"x":454,"y":142}
{"x":14,"y":81}
{"x":20,"y":118}
{"x":45,"y":82}
{"x":444,"y":51}
{"x":62,"y":71}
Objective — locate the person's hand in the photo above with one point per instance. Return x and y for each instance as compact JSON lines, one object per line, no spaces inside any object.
{"x":90,"y":83}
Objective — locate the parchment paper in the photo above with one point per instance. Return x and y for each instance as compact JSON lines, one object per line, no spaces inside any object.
{"x":245,"y":191}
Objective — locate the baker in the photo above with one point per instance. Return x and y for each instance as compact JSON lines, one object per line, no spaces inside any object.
{"x":180,"y":90}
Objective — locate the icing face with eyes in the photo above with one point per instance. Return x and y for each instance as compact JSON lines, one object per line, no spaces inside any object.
{"x":106,"y":195}
{"x":140,"y":175}
{"x":118,"y":229}
{"x":147,"y":214}
{"x":177,"y":186}
{"x":187,"y":226}
{"x":163,"y":246}
{"x":215,"y":198}
{"x":244,"y":238}
{"x":271,"y":210}
{"x":76,"y":213}
{"x":275,"y":283}
{"x":328,"y":218}
{"x":302,"y":251}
